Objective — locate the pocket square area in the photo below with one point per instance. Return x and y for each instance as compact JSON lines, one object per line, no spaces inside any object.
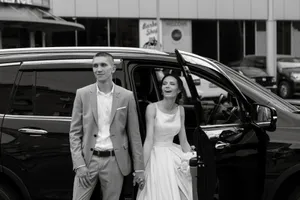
{"x":121,"y":108}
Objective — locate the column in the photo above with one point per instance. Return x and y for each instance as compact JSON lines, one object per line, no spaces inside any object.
{"x":32,"y":38}
{"x":43,"y":39}
{"x":271,"y":41}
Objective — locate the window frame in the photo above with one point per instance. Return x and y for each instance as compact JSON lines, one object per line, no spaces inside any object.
{"x":11,"y":65}
{"x":207,"y":75}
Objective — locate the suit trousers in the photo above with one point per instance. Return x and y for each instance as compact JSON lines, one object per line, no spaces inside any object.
{"x":106,"y":170}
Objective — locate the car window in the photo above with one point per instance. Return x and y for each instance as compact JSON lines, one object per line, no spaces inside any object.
{"x":7,"y":78}
{"x":23,"y":99}
{"x":55,"y":91}
{"x":219,"y":106}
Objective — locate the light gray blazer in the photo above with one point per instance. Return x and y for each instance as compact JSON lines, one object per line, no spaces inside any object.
{"x":124,"y":128}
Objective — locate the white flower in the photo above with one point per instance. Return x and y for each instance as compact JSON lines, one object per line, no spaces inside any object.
{"x":185,"y":159}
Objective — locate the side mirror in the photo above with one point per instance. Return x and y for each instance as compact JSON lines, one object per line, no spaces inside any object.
{"x":265,"y":117}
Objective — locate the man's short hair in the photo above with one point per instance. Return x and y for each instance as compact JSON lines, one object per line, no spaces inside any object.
{"x":104,"y":54}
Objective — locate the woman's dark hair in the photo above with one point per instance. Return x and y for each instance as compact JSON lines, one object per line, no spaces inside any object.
{"x":179,"y":98}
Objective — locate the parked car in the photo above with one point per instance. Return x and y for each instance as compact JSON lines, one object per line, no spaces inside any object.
{"x":288,"y":72}
{"x":38,"y":85}
{"x":259,"y":76}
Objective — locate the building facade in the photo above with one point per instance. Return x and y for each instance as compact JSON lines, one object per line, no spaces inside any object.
{"x":25,"y":23}
{"x":225,"y":30}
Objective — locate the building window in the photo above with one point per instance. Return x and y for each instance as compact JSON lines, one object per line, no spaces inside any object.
{"x":95,"y":33}
{"x":64,"y":38}
{"x":250,"y":37}
{"x":284,"y":37}
{"x":296,"y":38}
{"x":204,"y":36}
{"x":231,"y":41}
{"x":124,"y":32}
{"x":15,"y":38}
{"x":261,"y":26}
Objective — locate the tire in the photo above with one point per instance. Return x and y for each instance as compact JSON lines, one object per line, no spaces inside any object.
{"x":284,"y":90}
{"x":7,"y":193}
{"x":295,"y":193}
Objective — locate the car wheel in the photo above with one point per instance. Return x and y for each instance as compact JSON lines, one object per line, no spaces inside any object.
{"x":284,"y":89}
{"x":7,"y":193}
{"x":295,"y":194}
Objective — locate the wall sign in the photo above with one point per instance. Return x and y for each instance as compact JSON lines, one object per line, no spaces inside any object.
{"x":177,"y":34}
{"x":148,"y":33}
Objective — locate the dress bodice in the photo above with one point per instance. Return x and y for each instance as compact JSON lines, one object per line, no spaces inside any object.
{"x":166,"y":126}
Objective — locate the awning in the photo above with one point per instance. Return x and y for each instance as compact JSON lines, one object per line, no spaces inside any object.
{"x":34,"y":18}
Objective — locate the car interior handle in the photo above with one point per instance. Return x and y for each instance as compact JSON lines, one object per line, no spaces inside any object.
{"x":33,"y":131}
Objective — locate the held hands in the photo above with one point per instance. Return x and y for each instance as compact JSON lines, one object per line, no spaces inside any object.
{"x":83,"y":175}
{"x":139,"y":178}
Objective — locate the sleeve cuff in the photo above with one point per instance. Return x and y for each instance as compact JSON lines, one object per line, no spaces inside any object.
{"x":79,"y":167}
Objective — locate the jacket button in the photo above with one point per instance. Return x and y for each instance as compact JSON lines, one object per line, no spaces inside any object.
{"x":92,"y":149}
{"x":95,"y":135}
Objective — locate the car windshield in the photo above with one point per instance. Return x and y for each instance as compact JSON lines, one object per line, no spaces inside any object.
{"x":269,"y":96}
{"x":253,"y":71}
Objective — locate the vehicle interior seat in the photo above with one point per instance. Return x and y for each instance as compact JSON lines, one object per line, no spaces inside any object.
{"x":144,"y":89}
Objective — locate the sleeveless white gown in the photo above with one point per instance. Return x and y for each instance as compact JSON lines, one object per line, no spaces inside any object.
{"x":167,"y":172}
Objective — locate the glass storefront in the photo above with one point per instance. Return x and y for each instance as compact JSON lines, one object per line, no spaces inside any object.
{"x":284,"y":37}
{"x":95,"y":33}
{"x":231,"y":41}
{"x":204,"y":38}
{"x":100,"y":32}
{"x":124,"y":32}
{"x":15,"y":38}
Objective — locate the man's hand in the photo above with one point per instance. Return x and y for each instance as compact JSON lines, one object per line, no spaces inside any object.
{"x":139,"y":178}
{"x":83,"y":175}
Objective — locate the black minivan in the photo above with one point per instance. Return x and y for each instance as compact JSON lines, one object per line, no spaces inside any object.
{"x":37,"y":88}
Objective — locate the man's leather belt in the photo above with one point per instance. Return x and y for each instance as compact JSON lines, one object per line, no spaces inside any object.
{"x":104,"y":153}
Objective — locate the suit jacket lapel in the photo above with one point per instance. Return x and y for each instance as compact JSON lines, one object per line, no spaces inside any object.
{"x":94,"y":102}
{"x":115,"y":103}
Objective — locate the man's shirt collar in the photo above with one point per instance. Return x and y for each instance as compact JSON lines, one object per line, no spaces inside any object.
{"x":102,"y":93}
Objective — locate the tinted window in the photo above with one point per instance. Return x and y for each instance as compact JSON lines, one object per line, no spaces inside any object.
{"x":7,"y":78}
{"x":55,"y":91}
{"x":23,"y":99}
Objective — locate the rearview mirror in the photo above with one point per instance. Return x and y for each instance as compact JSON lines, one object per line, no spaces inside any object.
{"x":265,"y":116}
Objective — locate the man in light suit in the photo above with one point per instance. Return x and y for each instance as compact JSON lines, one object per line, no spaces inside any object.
{"x":104,"y":123}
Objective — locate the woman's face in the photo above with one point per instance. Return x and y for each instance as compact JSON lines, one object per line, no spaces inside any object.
{"x":170,"y":87}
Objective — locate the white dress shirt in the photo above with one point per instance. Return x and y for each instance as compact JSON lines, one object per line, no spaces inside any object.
{"x":104,"y":104}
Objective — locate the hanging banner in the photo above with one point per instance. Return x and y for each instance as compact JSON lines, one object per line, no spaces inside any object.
{"x":148,"y":33}
{"x":177,"y":34}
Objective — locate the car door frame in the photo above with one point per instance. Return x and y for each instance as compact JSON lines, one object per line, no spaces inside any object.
{"x":245,"y":106}
{"x":40,"y":66}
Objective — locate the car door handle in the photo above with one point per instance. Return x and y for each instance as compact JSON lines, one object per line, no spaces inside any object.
{"x":33,"y":131}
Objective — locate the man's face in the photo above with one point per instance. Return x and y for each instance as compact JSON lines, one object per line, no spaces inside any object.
{"x":103,"y":68}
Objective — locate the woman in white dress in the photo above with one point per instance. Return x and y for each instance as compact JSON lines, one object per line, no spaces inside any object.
{"x":167,"y":174}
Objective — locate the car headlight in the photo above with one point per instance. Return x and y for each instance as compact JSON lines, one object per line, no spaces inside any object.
{"x":273,"y":80}
{"x":295,"y":76}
